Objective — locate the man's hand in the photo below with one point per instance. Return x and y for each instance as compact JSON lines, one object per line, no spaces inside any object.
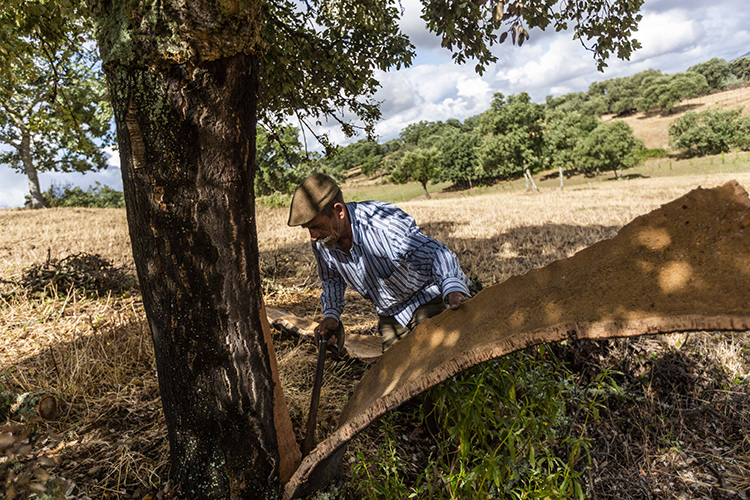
{"x":328,"y":324}
{"x":455,"y":298}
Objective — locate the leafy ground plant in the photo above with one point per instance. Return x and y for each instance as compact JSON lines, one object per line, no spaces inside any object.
{"x":511,"y":428}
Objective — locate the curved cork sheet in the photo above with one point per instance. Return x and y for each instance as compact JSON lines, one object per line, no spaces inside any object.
{"x":682,"y":267}
{"x":289,"y":451}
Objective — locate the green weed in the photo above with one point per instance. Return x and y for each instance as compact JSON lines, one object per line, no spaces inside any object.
{"x":510,"y":428}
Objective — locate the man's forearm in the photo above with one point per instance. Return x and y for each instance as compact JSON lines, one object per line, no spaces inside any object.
{"x":332,"y":299}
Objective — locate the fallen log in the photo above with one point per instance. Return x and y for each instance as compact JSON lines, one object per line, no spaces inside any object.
{"x":683,"y":267}
{"x":365,"y":347}
{"x":27,"y":405}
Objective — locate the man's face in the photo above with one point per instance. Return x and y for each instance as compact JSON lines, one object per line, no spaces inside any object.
{"x":325,"y":229}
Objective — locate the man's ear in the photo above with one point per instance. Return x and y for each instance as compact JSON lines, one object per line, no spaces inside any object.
{"x":339,"y":210}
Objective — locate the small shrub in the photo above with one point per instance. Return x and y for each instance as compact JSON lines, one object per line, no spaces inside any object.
{"x":96,"y":196}
{"x":276,"y":200}
{"x":652,"y":153}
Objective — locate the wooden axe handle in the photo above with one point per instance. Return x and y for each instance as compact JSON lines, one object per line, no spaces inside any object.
{"x":312,"y":417}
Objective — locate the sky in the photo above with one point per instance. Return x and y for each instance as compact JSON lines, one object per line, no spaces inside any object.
{"x":674,"y":34}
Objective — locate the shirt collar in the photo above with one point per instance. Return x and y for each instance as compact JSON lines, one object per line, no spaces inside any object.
{"x":351,"y":209}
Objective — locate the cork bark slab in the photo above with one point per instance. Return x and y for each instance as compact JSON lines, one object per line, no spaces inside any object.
{"x":682,"y":267}
{"x":365,"y":347}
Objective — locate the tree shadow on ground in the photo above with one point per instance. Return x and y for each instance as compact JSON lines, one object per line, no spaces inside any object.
{"x":493,"y":259}
{"x":664,"y":272}
{"x":667,"y":114}
{"x":111,"y":436}
{"x":628,"y":177}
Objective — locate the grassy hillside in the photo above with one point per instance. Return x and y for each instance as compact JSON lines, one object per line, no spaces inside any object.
{"x":653,"y":128}
{"x":735,"y":163}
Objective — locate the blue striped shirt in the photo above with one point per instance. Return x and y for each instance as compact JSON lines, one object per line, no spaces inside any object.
{"x":391,"y":263}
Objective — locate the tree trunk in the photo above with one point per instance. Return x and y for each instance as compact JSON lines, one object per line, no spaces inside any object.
{"x":187,"y":144}
{"x":529,"y":180}
{"x":560,"y":169}
{"x":35,"y":192}
{"x":424,"y":188}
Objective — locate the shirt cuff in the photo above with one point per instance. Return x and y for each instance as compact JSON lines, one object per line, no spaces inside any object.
{"x":454,"y":285}
{"x":332,"y":313}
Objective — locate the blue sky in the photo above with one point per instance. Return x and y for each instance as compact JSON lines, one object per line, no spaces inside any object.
{"x":674,"y":34}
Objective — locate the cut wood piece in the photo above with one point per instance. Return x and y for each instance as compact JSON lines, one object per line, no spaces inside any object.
{"x":27,"y":405}
{"x":683,"y":267}
{"x":365,"y":347}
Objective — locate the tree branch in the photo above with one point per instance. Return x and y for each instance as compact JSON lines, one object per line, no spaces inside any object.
{"x":9,"y":141}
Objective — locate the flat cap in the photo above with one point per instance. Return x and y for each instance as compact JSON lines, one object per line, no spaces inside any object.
{"x":311,"y":197}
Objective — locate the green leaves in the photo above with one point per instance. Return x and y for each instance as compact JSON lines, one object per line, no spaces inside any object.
{"x":563,"y":131}
{"x":512,"y":136}
{"x":421,"y":165}
{"x":515,"y":427}
{"x":282,"y":162}
{"x":665,"y":91}
{"x":716,"y":71}
{"x":709,"y":132}
{"x":470,"y":29}
{"x":320,"y":59}
{"x":332,"y":51}
{"x":54,"y":112}
{"x":740,"y":68}
{"x":611,"y":146}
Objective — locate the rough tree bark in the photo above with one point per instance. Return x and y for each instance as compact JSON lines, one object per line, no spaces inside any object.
{"x":35,"y":192}
{"x":424,"y":188}
{"x":183,"y":81}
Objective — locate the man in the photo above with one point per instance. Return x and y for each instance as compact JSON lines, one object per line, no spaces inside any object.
{"x":379,"y":251}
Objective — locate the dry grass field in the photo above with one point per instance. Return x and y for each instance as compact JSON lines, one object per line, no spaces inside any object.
{"x":94,"y":352}
{"x":653,"y":128}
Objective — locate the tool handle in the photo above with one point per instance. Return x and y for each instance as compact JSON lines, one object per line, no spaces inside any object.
{"x":312,"y":416}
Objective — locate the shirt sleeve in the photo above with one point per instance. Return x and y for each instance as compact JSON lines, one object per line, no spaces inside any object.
{"x":333,"y":284}
{"x":428,"y":256}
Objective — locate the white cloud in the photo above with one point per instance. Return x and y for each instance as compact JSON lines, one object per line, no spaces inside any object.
{"x":15,"y":185}
{"x":667,"y":32}
{"x":547,"y":67}
{"x":473,"y":88}
{"x":431,"y":93}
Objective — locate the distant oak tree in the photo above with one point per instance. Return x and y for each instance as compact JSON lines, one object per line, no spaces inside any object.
{"x":610,"y":146}
{"x":712,"y":131}
{"x":189,"y":80}
{"x":421,"y":165}
{"x":54,"y":112}
{"x":715,"y":71}
{"x":512,"y":132}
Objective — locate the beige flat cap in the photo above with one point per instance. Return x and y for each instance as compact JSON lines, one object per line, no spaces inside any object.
{"x":311,"y":197}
